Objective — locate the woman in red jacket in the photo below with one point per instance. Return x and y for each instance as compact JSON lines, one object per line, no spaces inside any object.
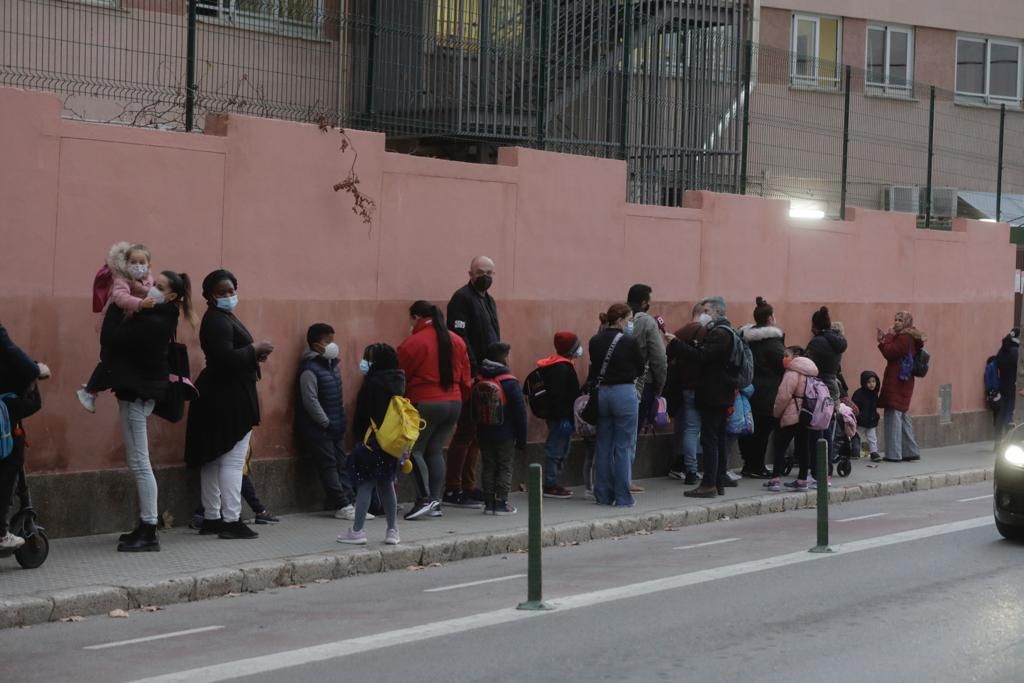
{"x":438,"y":377}
{"x":899,"y":346}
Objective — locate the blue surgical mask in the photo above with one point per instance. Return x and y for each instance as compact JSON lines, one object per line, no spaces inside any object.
{"x":629,"y":327}
{"x":228,"y":303}
{"x":364,"y":366}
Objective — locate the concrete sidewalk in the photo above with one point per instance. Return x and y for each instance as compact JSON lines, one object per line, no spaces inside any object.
{"x":86,"y":575}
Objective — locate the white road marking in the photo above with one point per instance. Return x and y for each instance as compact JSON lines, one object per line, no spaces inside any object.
{"x":968,"y":500}
{"x":173,"y":634}
{"x":706,"y":543}
{"x":317,"y":653}
{"x":473,"y":583}
{"x":857,"y":519}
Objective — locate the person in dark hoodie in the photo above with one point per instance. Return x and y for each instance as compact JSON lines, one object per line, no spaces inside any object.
{"x":1006,"y":363}
{"x":680,"y":393}
{"x":499,"y":443}
{"x":866,"y":400}
{"x":563,"y":387}
{"x":768,"y":346}
{"x":371,"y":466}
{"x":825,"y":350}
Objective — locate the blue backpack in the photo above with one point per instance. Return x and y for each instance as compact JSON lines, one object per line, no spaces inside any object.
{"x":991,"y":375}
{"x":6,"y":428}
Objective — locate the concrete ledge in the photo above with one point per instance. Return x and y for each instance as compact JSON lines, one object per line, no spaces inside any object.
{"x":263,"y":575}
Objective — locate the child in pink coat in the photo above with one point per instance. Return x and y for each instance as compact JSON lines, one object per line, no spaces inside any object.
{"x":131,"y":290}
{"x":787,"y":410}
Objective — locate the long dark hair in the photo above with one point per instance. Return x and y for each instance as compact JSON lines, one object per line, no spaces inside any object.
{"x":181,"y":284}
{"x":425,"y":309}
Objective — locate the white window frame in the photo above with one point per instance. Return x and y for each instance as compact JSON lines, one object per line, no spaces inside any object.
{"x":887,"y":87}
{"x":227,"y":11}
{"x":987,"y":97}
{"x":816,"y":81}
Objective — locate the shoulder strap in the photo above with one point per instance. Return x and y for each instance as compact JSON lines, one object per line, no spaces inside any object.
{"x":608,"y":358}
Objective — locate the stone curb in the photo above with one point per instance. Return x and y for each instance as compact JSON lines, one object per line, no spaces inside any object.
{"x":262,"y":575}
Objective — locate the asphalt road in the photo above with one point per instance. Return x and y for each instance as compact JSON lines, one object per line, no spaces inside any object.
{"x":921,"y":588}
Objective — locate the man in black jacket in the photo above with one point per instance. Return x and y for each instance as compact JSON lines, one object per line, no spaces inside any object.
{"x":715,"y":395}
{"x":473,"y":315}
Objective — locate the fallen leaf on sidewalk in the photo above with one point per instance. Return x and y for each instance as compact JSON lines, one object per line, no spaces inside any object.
{"x":322,"y":581}
{"x":118,"y":614}
{"x":435,"y":564}
{"x":236,"y":595}
{"x":644,"y":532}
{"x":74,"y":619}
{"x":415,"y":567}
{"x":152,"y":608}
{"x":725,"y":518}
{"x":298,"y":585}
{"x":670,"y":528}
{"x":520,"y":551}
{"x":617,"y":538}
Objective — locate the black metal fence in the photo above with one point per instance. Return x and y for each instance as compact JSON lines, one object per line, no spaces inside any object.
{"x":674,"y":87}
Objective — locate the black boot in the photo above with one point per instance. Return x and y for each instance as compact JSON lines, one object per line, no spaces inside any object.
{"x":145,"y":542}
{"x":236,"y":530}
{"x":132,"y":535}
{"x":211,"y":527}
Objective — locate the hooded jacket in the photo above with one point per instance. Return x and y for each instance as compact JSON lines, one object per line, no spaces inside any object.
{"x":474,"y":317}
{"x":826,"y":350}
{"x":126,"y":292}
{"x":714,"y":389}
{"x":418,"y":357}
{"x":768,"y":346}
{"x":1006,"y":362}
{"x":562,"y":384}
{"x":514,"y":426}
{"x":788,"y":399}
{"x":897,"y":394}
{"x":320,"y":412}
{"x":867,"y":401}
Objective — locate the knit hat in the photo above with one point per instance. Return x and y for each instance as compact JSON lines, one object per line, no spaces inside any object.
{"x":566,"y":343}
{"x":821,"y":320}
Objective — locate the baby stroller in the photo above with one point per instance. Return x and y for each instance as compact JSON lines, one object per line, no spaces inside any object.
{"x":845,"y":442}
{"x":24,"y":523}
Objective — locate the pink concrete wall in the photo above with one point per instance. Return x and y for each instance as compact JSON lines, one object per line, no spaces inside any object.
{"x":259,"y":202}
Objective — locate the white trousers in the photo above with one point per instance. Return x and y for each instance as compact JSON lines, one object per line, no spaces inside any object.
{"x":222,"y":483}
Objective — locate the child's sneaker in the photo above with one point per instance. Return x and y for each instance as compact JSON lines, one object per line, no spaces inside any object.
{"x":87,"y":399}
{"x":353,"y":537}
{"x":266,"y":518}
{"x":799,"y":485}
{"x":435,"y":509}
{"x":503,"y":507}
{"x":814,"y":484}
{"x":391,"y":537}
{"x":489,"y":506}
{"x":557,"y":492}
{"x":348,"y":513}
{"x":876,"y":457}
{"x":774,"y":485}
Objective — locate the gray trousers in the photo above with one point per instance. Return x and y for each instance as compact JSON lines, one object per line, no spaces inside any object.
{"x":136,"y":450}
{"x":428,"y":453}
{"x":900,"y":443}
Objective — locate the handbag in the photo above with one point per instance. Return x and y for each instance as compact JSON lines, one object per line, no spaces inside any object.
{"x":588,"y":412}
{"x":172,"y":406}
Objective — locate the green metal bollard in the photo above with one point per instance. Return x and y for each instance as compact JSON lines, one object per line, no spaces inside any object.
{"x":534,"y":581}
{"x":822,"y":455}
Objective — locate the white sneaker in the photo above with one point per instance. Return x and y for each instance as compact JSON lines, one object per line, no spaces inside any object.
{"x":11,"y":542}
{"x":391,"y":537}
{"x":353,"y":537}
{"x":348,"y":513}
{"x":732,"y":475}
{"x":87,"y":399}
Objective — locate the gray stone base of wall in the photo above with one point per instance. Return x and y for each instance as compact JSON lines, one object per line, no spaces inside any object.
{"x":104,"y":501}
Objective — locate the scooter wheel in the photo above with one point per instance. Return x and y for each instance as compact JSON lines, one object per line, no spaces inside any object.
{"x":844,"y":468}
{"x":34,"y":552}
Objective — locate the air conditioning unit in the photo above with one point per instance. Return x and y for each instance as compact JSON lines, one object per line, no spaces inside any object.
{"x":944,"y":201}
{"x":903,"y":198}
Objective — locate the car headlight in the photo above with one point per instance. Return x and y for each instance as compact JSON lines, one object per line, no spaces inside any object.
{"x":1014,"y":455}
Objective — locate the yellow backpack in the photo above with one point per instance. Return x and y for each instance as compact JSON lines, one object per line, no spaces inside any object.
{"x":399,"y":430}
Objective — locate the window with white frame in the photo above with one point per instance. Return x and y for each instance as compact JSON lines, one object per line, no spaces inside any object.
{"x":890,"y":60}
{"x":293,"y":17}
{"x":988,"y":70}
{"x":815,"y":48}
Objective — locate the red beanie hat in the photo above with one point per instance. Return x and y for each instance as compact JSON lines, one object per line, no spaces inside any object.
{"x":566,"y":343}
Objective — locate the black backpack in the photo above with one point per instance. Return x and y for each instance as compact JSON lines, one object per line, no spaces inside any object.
{"x":535,"y":389}
{"x":921,"y":360}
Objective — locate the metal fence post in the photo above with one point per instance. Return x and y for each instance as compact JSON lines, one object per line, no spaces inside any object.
{"x":534,"y":580}
{"x":846,"y":145}
{"x":746,"y":116}
{"x":822,"y":455}
{"x":542,"y":81}
{"x":931,"y":158}
{"x":999,"y":174}
{"x":627,"y":67}
{"x":190,"y":68}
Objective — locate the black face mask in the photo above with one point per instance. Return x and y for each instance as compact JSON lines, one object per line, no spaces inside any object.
{"x":483,"y":283}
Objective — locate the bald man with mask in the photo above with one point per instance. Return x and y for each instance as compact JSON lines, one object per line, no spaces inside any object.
{"x":473,"y":315}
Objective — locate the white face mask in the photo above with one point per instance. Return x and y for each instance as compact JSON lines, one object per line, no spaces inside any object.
{"x":704,"y":319}
{"x":331,"y":351}
{"x":579,"y":352}
{"x":138,"y":270}
{"x":156,"y":295}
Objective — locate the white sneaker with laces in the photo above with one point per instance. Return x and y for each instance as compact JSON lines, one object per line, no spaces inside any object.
{"x":353,"y":537}
{"x":87,"y":399}
{"x":391,"y":537}
{"x":348,"y":513}
{"x":11,"y":542}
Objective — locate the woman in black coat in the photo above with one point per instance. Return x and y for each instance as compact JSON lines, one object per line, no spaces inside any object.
{"x":135,"y":354}
{"x":767,"y":344}
{"x":220,"y":422}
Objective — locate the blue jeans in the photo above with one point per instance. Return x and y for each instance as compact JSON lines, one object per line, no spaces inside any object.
{"x":556,"y":448}
{"x":618,"y":409}
{"x":686,"y":423}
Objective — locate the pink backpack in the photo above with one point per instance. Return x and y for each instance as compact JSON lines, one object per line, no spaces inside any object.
{"x":817,"y":407}
{"x":101,"y":286}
